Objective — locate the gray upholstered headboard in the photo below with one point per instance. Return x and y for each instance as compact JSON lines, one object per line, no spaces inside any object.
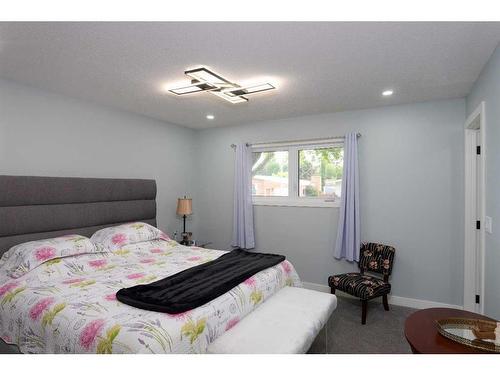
{"x":33,"y":208}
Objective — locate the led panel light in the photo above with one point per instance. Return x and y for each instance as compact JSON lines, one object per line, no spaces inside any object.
{"x":203,"y":79}
{"x":186,"y":90}
{"x":250,"y":90}
{"x":230,"y":99}
{"x":204,"y":75}
{"x":202,"y":86}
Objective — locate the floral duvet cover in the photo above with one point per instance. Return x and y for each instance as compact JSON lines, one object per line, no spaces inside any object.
{"x":68,"y":305}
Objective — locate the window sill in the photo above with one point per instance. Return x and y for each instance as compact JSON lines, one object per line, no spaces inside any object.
{"x":304,"y":202}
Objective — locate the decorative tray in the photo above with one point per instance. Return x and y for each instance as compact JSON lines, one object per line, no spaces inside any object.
{"x":476,"y":333}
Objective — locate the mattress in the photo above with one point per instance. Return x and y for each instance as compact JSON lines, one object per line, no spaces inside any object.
{"x":68,"y":305}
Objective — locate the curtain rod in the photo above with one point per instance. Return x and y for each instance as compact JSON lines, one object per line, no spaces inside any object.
{"x":294,"y":141}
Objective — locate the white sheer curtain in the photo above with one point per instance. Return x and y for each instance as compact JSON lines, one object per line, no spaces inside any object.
{"x":243,"y":231}
{"x":348,"y":232}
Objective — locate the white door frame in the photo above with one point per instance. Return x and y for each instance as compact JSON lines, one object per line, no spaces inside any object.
{"x":474,"y":210}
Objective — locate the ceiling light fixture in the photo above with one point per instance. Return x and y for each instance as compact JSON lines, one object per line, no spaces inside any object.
{"x":203,"y":79}
{"x":210,"y":117}
{"x":248,"y":90}
{"x":230,"y":98}
{"x":387,"y":93}
{"x":204,"y":75}
{"x":186,"y":90}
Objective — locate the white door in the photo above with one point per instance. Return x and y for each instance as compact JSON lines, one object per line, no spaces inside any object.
{"x":474,"y":212}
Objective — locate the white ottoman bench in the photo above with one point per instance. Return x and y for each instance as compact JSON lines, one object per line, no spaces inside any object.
{"x":288,"y":322}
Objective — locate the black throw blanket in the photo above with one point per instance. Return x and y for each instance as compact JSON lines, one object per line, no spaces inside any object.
{"x":198,"y":285}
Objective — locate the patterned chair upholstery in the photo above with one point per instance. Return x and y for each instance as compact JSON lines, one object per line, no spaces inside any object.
{"x":358,"y":285}
{"x":373,"y":257}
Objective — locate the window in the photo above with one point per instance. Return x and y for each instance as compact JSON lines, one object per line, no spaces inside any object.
{"x":298,"y":174}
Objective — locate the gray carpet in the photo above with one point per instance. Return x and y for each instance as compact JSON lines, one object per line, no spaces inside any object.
{"x":344,"y":333}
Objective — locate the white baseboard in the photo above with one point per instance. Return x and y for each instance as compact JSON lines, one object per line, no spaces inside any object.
{"x":393,"y":300}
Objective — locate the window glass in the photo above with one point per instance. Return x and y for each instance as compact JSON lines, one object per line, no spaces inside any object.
{"x":270,"y":174}
{"x":320,"y":172}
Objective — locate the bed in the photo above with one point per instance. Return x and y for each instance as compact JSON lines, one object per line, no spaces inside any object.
{"x":69,"y":306}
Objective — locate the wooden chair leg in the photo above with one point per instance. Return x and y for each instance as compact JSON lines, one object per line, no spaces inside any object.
{"x":386,"y":302}
{"x":332,"y":290}
{"x":364,"y":304}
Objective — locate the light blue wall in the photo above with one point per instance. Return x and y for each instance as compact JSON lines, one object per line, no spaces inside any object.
{"x":487,"y":89}
{"x":411,"y":168}
{"x":45,"y":134}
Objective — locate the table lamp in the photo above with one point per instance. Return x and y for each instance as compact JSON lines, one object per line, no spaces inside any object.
{"x":184,"y":208}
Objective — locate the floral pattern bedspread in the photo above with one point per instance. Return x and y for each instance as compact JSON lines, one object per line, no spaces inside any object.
{"x":68,"y":305}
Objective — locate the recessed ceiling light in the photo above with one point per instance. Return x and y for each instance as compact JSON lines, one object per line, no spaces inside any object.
{"x":204,"y":80}
{"x":387,"y":93}
{"x":210,"y":117}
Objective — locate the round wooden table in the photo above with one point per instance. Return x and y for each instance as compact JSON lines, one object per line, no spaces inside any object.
{"x":422,"y":334}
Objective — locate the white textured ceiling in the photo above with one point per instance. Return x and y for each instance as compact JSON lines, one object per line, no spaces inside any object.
{"x":318,"y":67}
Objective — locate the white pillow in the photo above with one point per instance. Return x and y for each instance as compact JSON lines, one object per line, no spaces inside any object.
{"x":115,"y":238}
{"x":22,"y":258}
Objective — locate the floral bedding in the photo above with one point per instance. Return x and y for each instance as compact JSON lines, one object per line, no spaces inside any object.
{"x":118,"y":236}
{"x":24,"y":257}
{"x":68,"y":305}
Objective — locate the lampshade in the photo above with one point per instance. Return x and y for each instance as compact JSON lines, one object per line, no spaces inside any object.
{"x":184,"y":206}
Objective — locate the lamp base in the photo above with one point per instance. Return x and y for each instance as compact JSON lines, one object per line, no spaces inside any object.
{"x":186,"y":239}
